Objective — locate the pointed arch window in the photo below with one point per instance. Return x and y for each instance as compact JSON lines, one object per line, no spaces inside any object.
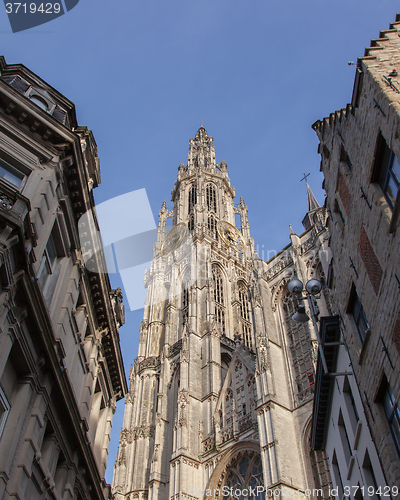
{"x":192,"y":197}
{"x":191,"y":222}
{"x":185,"y":305}
{"x":228,"y":414}
{"x":300,"y":346}
{"x":219,"y":298}
{"x":211,"y":198}
{"x":245,"y":472}
{"x":212,"y":226}
{"x":252,"y":391}
{"x":245,"y":314}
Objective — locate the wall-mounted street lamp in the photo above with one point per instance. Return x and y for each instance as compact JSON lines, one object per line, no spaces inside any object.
{"x":313,"y":290}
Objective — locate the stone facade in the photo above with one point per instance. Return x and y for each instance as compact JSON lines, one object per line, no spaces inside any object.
{"x":220,"y":392}
{"x":360,"y":148}
{"x":61,"y":368}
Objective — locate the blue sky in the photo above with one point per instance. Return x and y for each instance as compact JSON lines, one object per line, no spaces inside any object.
{"x":258,"y":73}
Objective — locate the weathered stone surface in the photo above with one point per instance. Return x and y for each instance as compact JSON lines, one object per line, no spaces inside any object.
{"x":366,"y":245}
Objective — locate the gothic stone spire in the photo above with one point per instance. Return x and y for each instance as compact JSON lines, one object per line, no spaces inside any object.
{"x":201,"y":150}
{"x":312,"y":201}
{"x":313,"y":207}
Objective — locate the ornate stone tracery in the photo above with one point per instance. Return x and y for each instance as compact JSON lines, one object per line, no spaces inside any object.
{"x":231,"y":364}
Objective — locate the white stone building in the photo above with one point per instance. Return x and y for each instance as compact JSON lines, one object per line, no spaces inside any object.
{"x":355,"y":467}
{"x":220,"y":392}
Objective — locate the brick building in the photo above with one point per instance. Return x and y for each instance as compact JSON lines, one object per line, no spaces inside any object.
{"x":360,"y":148}
{"x":61,"y":369}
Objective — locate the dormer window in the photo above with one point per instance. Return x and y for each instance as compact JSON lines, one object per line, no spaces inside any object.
{"x":39,"y":96}
{"x":39,"y":102}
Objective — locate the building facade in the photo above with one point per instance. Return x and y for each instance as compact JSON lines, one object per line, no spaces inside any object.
{"x":360,"y":151}
{"x":220,"y":396}
{"x":61,"y":368}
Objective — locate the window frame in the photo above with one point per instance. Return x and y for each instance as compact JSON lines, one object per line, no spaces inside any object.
{"x":33,"y":92}
{"x":383,"y":172}
{"x":6,"y":410}
{"x":219,"y":297}
{"x":344,"y":158}
{"x":392,"y":413}
{"x":47,"y":262}
{"x":8,"y":167}
{"x":357,"y":312}
{"x":211,"y":197}
{"x":192,"y":197}
{"x":57,"y":247}
{"x":185,"y":305}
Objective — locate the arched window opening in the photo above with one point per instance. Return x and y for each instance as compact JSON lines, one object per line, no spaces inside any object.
{"x":252,"y":391}
{"x":39,"y":101}
{"x":245,"y":472}
{"x":212,"y":227}
{"x":228,"y":408}
{"x":245,"y":315}
{"x":192,"y":197}
{"x":301,"y":348}
{"x":225,"y":362}
{"x":191,"y":223}
{"x":185,"y":305}
{"x":219,"y":298}
{"x":211,"y":198}
{"x":244,"y":306}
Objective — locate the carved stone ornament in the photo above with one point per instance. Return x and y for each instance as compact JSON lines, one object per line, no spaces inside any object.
{"x":6,"y":202}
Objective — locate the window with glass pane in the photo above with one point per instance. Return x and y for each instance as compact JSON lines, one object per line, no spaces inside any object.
{"x":359,"y":316}
{"x":4,"y":410}
{"x":245,"y":315}
{"x":192,"y":197}
{"x":10,"y":173}
{"x":39,"y":102}
{"x":211,"y":198}
{"x":212,"y":226}
{"x":219,"y":297}
{"x":393,"y":415}
{"x":185,"y":305}
{"x":191,"y":223}
{"x":245,"y":472}
{"x":387,"y":172}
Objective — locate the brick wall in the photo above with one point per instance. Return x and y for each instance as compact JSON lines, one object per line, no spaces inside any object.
{"x":344,"y":193}
{"x":371,"y":262}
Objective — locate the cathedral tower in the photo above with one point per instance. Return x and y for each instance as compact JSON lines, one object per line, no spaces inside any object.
{"x":219,"y":393}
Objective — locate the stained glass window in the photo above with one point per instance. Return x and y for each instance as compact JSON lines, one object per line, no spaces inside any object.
{"x":245,"y":472}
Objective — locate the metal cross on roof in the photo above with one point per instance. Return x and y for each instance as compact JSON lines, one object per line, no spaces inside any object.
{"x":305,"y":177}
